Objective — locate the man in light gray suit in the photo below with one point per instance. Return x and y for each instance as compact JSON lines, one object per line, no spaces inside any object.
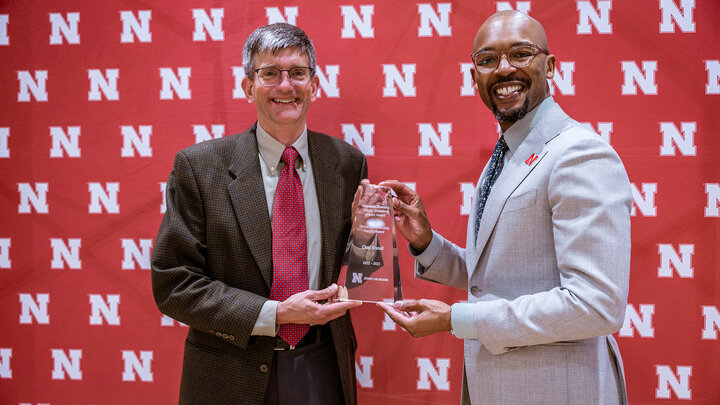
{"x":547,"y":257}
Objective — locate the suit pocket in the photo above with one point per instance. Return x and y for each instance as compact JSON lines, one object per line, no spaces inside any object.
{"x":519,"y":202}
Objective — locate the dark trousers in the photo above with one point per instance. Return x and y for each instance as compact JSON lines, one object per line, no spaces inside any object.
{"x":306,"y":375}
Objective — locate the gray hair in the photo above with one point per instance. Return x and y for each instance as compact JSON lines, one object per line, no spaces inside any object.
{"x":276,"y":37}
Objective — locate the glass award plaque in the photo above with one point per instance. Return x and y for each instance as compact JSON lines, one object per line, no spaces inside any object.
{"x":370,"y":269}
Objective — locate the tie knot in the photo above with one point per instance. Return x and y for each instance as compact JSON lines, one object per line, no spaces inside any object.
{"x":289,"y":156}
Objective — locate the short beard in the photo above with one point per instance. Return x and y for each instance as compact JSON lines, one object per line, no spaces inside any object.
{"x":511,"y":116}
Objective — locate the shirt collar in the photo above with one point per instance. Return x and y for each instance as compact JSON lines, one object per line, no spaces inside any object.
{"x":517,"y":132}
{"x":271,"y":150}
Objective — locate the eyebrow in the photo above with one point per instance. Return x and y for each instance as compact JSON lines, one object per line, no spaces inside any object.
{"x":511,"y":46}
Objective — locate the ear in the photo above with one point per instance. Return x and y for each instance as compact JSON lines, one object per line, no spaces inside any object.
{"x":550,"y":66}
{"x":248,"y":87}
{"x":475,"y":77}
{"x":314,"y":84}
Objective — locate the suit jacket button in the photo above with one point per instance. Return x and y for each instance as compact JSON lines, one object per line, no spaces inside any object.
{"x":474,"y":290}
{"x":231,"y":337}
{"x":225,"y":335}
{"x":264,"y":368}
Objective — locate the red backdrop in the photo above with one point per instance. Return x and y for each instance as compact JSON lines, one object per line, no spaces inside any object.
{"x":95,"y":99}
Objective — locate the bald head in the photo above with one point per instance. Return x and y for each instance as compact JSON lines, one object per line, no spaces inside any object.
{"x":510,"y":21}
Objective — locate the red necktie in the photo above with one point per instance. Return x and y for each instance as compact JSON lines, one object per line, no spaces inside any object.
{"x":289,"y":243}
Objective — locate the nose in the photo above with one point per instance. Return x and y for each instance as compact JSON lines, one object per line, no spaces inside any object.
{"x":504,"y":67}
{"x":285,"y":80}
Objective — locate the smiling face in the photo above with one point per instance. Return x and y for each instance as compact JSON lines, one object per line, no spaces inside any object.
{"x":281,"y":109}
{"x":508,"y":91}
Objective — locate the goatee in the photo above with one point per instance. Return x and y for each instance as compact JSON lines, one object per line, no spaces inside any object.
{"x":511,"y":116}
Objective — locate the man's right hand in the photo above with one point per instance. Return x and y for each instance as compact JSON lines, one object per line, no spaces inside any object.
{"x":303,"y":307}
{"x":410,"y":216}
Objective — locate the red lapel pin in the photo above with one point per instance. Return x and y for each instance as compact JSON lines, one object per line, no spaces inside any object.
{"x":531,"y":159}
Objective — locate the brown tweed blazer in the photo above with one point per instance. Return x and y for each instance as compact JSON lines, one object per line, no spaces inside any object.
{"x":212,"y":261}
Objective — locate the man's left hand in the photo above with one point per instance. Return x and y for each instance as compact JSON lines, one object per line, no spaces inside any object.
{"x":420,"y":317}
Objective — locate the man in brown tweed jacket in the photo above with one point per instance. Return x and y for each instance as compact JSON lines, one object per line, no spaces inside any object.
{"x":212,"y":264}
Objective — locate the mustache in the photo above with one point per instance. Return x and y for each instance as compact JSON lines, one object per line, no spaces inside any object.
{"x":512,"y":78}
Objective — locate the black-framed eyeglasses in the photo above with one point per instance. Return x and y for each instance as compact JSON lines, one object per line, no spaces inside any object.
{"x":299,"y":75}
{"x":519,"y":56}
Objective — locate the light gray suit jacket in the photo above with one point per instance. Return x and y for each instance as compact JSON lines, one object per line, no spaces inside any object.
{"x":547,"y":278}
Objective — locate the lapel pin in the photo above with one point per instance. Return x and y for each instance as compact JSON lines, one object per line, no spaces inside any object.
{"x":531,"y":159}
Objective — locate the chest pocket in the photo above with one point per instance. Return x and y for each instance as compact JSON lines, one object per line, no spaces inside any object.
{"x":522,"y":201}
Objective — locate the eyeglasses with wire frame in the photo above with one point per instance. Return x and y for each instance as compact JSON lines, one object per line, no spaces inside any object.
{"x":519,"y":56}
{"x":271,"y":76}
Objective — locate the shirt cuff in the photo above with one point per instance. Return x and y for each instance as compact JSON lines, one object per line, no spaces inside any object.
{"x":431,"y":252}
{"x":462,"y":318}
{"x":265,"y":323}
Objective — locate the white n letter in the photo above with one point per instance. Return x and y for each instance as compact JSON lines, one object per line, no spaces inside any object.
{"x":5,"y":369}
{"x":467,"y":190}
{"x":108,"y":309}
{"x":104,"y":197}
{"x":274,"y":15}
{"x":712,"y":322}
{"x":601,"y":19}
{"x":37,"y":85}
{"x":439,"y":375}
{"x":4,"y":148}
{"x":364,"y":373}
{"x":65,"y":254}
{"x":440,"y":142}
{"x":404,"y":82}
{"x":682,"y":262}
{"x":643,"y":324}
{"x":136,"y":255}
{"x":5,"y":262}
{"x":69,"y":28}
{"x":131,"y":26}
{"x":133,"y":366}
{"x":646,"y":80}
{"x":667,"y":380}
{"x":713,"y":81}
{"x":133,"y":142}
{"x":4,"y":38}
{"x":645,"y":200}
{"x":364,"y":142}
{"x":38,"y":307}
{"x":68,"y":142}
{"x":563,"y":79}
{"x":36,"y":197}
{"x":670,"y":13}
{"x":351,"y":19}
{"x":172,"y":84}
{"x":440,"y":20}
{"x":203,"y":24}
{"x":107,"y":83}
{"x":71,"y":365}
{"x":672,"y":135}
{"x":329,"y":83}
{"x":202,"y":134}
{"x":712,"y":209}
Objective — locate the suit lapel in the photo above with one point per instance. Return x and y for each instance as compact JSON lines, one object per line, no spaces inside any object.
{"x":329,"y":189}
{"x":247,"y":194}
{"x":528,"y":155}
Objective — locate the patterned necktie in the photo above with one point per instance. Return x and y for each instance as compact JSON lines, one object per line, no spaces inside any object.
{"x":496,"y":164}
{"x":289,"y":243}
